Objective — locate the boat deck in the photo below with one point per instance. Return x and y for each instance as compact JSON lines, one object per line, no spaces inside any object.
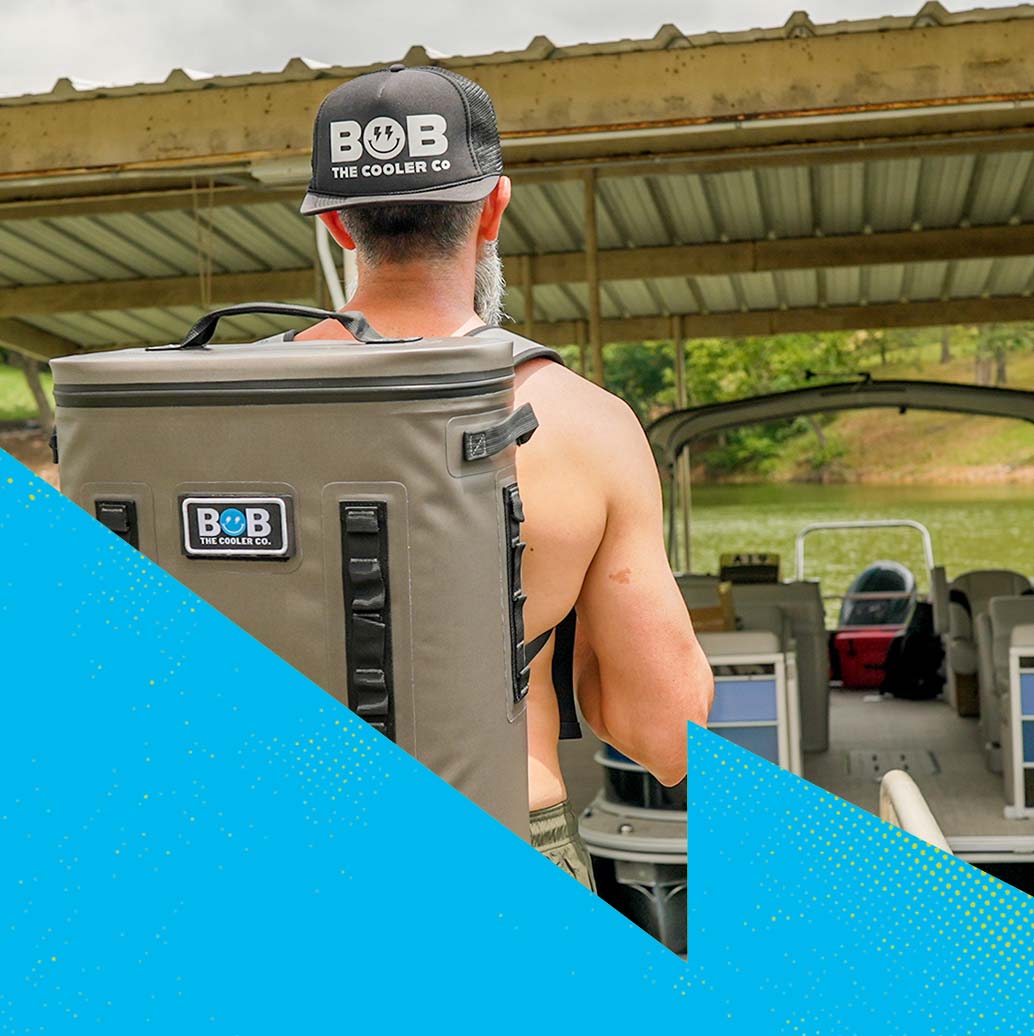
{"x":941,"y":750}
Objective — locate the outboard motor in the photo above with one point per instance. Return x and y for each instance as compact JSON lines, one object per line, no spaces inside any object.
{"x":882,"y":577}
{"x":876,"y":607}
{"x":353,"y":506}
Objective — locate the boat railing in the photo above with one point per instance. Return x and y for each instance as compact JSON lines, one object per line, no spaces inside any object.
{"x":873,"y":523}
{"x":872,"y":595}
{"x":903,"y":805}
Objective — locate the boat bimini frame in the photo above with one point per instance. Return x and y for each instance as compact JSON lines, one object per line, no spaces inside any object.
{"x":673,"y":434}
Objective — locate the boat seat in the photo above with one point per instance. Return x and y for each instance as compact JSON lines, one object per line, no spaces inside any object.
{"x":803,"y":627}
{"x":1021,"y":634}
{"x":769,"y":618}
{"x":739,"y":642}
{"x":989,"y":718}
{"x":801,"y":603}
{"x":702,"y":592}
{"x":969,"y":594}
{"x":939,"y":598}
{"x":698,"y":591}
{"x":753,"y":705}
{"x":994,"y":634}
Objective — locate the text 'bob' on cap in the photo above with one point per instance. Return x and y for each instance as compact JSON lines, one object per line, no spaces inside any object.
{"x":402,"y":134}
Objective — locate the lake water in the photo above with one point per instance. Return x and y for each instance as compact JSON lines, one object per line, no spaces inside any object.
{"x":971,"y":527}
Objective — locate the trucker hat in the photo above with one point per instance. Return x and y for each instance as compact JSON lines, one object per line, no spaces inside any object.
{"x":422,"y":134}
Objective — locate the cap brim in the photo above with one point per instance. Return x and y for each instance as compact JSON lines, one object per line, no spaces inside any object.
{"x":475,"y":190}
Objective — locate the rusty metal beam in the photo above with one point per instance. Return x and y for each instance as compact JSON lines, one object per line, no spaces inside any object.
{"x":580,"y":105}
{"x":673,"y":163}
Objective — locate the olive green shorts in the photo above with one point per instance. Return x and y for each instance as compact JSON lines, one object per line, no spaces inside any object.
{"x":554,"y":832}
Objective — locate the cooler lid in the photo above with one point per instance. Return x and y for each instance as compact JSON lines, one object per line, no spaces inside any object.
{"x":425,"y":358}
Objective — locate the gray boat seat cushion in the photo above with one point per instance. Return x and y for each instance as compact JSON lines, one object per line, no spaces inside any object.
{"x":739,"y":642}
{"x":702,"y":592}
{"x":768,"y":617}
{"x":978,"y":586}
{"x":939,"y":600}
{"x":989,"y":720}
{"x":698,"y":591}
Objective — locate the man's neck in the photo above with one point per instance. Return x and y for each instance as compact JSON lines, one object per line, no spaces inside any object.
{"x":433,"y":300}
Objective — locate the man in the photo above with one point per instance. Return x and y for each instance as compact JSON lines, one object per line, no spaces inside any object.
{"x":407,"y":172}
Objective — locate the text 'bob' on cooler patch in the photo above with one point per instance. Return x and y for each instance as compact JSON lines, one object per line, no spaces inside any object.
{"x":242,"y":527}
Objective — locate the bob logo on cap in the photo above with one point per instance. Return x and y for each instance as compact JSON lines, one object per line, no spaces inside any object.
{"x":383,"y":139}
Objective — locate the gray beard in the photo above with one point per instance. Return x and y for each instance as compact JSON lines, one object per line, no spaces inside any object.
{"x":489,"y":285}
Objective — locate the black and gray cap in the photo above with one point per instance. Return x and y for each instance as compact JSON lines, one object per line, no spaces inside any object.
{"x":403,"y":134}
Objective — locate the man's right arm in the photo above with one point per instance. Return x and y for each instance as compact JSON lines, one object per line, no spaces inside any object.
{"x":640,"y":673}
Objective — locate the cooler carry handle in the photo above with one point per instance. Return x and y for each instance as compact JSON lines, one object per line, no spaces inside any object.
{"x":353,"y":322}
{"x":487,"y":442}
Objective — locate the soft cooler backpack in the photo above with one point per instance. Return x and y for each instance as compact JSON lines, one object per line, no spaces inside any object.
{"x":353,"y":505}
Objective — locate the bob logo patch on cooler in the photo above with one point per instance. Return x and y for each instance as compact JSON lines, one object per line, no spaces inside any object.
{"x":244,"y":527}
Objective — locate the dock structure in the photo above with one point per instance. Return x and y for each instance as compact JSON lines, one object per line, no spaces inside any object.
{"x":809,"y":177}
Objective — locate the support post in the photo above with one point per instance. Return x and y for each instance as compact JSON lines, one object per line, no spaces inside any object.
{"x":30,"y":368}
{"x":528,"y":291}
{"x":682,"y":474}
{"x":673,"y":494}
{"x":583,"y":350}
{"x":592,"y":276}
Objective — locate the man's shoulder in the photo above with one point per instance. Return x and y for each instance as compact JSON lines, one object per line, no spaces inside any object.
{"x":577,"y":408}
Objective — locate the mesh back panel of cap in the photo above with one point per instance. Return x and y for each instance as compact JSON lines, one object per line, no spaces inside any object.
{"x":484,"y":132}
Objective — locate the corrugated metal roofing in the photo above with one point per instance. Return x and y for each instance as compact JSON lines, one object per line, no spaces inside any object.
{"x":782,"y":202}
{"x":654,"y":208}
{"x":539,"y":49}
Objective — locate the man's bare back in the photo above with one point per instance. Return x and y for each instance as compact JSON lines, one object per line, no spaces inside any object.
{"x":593,"y":526}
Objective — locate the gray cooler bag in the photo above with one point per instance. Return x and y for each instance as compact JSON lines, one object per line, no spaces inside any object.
{"x":353,"y":506}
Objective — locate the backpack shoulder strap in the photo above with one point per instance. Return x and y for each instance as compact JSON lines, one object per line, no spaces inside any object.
{"x":524,"y":349}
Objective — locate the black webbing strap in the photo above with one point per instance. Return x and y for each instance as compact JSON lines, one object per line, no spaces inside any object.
{"x":364,"y":560}
{"x":563,"y":678}
{"x":487,"y":442}
{"x":532,"y":648}
{"x":524,"y":349}
{"x":562,"y":673}
{"x":514,"y":510}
